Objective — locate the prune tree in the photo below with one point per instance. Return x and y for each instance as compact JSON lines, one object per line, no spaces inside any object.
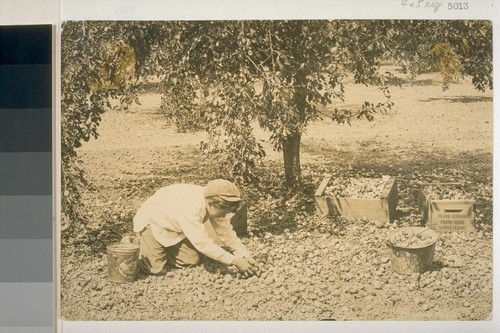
{"x":276,"y":73}
{"x":229,"y":75}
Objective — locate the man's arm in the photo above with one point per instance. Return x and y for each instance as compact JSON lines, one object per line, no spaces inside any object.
{"x":225,"y":231}
{"x":198,"y":236}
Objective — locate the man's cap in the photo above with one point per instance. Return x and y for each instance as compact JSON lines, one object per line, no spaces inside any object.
{"x":222,"y":188}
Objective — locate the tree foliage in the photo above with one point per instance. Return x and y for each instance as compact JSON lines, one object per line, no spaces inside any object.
{"x":226,"y":76}
{"x":274,"y":72}
{"x":95,"y":68}
{"x":416,"y":45}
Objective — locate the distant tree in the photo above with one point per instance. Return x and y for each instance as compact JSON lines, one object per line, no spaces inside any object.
{"x":455,"y":48}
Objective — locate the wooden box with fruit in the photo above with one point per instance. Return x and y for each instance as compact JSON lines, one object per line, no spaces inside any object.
{"x":372,"y":198}
{"x":446,"y":207}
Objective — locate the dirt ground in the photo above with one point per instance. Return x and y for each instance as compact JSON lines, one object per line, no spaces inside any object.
{"x":315,"y":267}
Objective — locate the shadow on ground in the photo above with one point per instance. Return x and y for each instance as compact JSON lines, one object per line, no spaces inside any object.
{"x":460,"y":99}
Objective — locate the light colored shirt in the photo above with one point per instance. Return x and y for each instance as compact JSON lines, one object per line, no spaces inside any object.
{"x":178,"y":211}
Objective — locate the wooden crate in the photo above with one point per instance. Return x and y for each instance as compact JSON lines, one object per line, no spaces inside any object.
{"x":447,"y":215}
{"x":382,"y":209}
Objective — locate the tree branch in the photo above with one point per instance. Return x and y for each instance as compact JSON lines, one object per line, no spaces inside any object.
{"x":271,"y":46}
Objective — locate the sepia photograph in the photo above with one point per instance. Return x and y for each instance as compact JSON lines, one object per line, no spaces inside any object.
{"x":276,"y":170}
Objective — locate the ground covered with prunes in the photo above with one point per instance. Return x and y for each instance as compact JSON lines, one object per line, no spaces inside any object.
{"x":313,"y":267}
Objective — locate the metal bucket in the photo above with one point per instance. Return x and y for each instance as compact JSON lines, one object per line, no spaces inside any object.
{"x":413,"y":259}
{"x":123,"y":262}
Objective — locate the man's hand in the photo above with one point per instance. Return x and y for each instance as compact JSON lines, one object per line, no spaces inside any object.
{"x":247,"y":266}
{"x":255,"y":265}
{"x":252,"y":261}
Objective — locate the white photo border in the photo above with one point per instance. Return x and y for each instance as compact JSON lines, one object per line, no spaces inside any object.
{"x":14,"y":13}
{"x":285,"y":9}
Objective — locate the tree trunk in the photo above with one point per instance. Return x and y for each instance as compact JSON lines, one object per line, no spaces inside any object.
{"x":291,"y":158}
{"x":291,"y":145}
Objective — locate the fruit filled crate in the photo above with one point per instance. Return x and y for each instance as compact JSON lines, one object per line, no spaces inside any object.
{"x":446,"y":207}
{"x":372,"y":198}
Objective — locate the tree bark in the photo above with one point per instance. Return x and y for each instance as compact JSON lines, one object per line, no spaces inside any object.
{"x":291,"y":145}
{"x":291,"y":158}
